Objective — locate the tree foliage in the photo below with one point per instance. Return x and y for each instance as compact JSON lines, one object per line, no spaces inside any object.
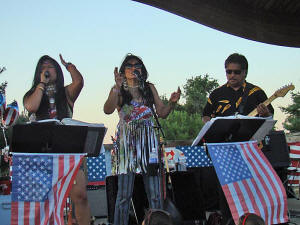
{"x":196,"y":91}
{"x":180,"y":125}
{"x":185,"y":121}
{"x":292,"y":122}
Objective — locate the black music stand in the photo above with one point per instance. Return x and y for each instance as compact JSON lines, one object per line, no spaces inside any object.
{"x":231,"y":129}
{"x":51,"y":137}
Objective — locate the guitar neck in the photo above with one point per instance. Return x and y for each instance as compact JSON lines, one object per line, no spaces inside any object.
{"x":266,"y":103}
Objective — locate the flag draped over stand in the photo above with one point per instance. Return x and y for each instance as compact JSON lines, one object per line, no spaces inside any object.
{"x":40,"y":186}
{"x":249,"y":182}
{"x":294,"y":169}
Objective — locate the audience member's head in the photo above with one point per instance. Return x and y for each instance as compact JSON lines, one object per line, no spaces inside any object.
{"x":157,"y":217}
{"x":251,"y":219}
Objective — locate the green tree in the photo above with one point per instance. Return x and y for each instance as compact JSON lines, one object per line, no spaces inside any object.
{"x":196,"y":91}
{"x":180,"y":125}
{"x":292,"y":122}
{"x":185,"y":121}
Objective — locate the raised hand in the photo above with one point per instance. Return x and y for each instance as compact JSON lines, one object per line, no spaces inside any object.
{"x":118,"y":78}
{"x":63,"y":61}
{"x":175,"y":96}
{"x":66,"y":64}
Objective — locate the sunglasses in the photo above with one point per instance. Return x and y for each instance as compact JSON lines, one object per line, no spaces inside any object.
{"x":237,"y":72}
{"x":136,"y":66}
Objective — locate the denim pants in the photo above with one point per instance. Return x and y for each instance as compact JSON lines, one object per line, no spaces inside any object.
{"x":125,"y":189}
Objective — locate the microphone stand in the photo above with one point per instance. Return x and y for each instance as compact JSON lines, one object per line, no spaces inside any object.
{"x":160,"y":163}
{"x":162,"y":153}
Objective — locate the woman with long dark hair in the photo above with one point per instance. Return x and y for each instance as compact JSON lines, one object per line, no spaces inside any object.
{"x":136,"y":144}
{"x":48,"y":98}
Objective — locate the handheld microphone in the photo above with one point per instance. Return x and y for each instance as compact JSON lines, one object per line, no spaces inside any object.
{"x":47,"y":74}
{"x":138,"y":75}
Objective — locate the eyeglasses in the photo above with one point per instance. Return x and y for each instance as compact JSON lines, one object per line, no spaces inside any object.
{"x":136,"y":66}
{"x":237,"y":72}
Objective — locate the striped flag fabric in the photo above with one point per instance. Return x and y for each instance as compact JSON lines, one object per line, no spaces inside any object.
{"x":2,"y":104}
{"x":249,"y":182}
{"x":11,"y":115}
{"x":40,"y":186}
{"x":294,"y":168}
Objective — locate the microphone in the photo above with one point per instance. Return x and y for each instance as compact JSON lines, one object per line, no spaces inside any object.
{"x":47,"y":74}
{"x":138,"y":75}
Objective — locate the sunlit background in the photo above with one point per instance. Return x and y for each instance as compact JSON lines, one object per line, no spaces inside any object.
{"x":96,"y":35}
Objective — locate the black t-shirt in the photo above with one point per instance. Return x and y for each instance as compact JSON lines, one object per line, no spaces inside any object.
{"x":224,"y":101}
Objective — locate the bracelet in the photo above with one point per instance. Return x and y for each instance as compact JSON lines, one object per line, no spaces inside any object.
{"x":43,"y":89}
{"x":115,"y":90}
{"x":41,"y":82}
{"x":67,"y":65}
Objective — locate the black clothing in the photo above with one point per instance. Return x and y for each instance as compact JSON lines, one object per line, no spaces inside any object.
{"x":225,"y":101}
{"x":64,"y":110}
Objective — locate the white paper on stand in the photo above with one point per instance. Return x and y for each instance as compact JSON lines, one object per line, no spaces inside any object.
{"x":69,"y":121}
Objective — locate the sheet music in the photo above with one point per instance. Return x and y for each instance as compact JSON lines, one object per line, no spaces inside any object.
{"x":260,"y":134}
{"x":55,"y":121}
{"x":69,"y":121}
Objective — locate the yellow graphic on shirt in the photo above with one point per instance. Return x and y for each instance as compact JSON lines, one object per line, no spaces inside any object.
{"x":253,"y":90}
{"x":226,"y":107}
{"x":209,"y":101}
{"x":238,"y":102}
{"x":224,"y":101}
{"x":219,"y":108}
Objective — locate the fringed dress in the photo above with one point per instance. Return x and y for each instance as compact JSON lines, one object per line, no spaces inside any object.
{"x":136,"y":141}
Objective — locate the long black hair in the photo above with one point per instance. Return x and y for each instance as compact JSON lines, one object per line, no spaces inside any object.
{"x":144,"y":85}
{"x":60,"y":96}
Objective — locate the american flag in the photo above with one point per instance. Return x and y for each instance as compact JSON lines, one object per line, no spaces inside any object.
{"x":11,"y":114}
{"x":249,"y":182}
{"x":40,"y":186}
{"x":195,"y":156}
{"x":96,"y":170}
{"x":294,"y":169}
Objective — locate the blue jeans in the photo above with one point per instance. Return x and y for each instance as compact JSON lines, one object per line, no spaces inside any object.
{"x":125,"y":189}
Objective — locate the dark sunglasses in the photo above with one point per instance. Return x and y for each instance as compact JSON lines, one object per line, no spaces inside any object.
{"x":136,"y":66}
{"x":237,"y":72}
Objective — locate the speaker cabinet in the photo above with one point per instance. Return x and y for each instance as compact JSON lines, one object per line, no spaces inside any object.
{"x":97,"y":200}
{"x":187,"y":196}
{"x":276,"y":150}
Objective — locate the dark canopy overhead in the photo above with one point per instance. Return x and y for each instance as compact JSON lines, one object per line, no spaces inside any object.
{"x":269,"y":21}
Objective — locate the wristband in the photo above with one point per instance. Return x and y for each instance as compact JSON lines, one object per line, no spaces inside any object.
{"x":67,"y":65}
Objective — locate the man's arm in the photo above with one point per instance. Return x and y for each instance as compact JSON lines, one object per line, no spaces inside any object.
{"x":205,"y":119}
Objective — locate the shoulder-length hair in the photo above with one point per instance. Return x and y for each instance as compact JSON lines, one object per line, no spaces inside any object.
{"x":60,"y":97}
{"x":144,"y":89}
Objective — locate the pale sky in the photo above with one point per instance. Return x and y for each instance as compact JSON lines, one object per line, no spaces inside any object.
{"x":96,"y":35}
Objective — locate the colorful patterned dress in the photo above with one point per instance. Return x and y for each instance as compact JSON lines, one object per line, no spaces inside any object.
{"x":136,"y":140}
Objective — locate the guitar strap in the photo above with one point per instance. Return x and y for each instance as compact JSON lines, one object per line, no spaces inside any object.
{"x":241,"y":107}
